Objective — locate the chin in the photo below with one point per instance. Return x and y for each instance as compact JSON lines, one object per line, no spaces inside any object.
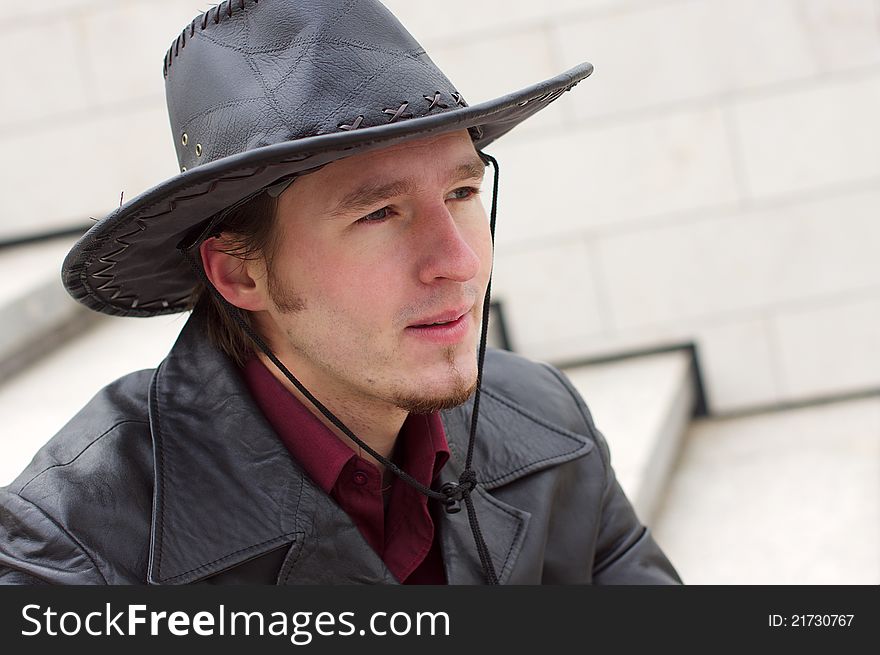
{"x":426,"y":404}
{"x":452,"y":392}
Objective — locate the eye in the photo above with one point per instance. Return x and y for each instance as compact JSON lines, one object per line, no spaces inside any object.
{"x":377,"y":216}
{"x":463,"y":193}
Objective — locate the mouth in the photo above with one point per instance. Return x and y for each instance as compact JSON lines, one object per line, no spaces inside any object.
{"x":447,"y":327}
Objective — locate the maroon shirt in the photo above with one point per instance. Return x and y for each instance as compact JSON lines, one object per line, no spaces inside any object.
{"x":402,"y":535}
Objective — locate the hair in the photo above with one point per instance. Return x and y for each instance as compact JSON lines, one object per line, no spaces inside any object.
{"x":249,"y":231}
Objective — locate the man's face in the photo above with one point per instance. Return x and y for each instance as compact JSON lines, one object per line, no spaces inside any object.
{"x":372,"y":250}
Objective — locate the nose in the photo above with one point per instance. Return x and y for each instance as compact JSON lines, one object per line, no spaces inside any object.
{"x":447,"y":247}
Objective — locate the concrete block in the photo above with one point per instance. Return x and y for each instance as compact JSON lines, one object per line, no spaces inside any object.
{"x":487,"y":68}
{"x":15,"y":13}
{"x":843,"y":33}
{"x":591,"y":179}
{"x":797,"y":140}
{"x":677,"y":51}
{"x":30,"y":266}
{"x":39,"y":81}
{"x":738,"y":363}
{"x":742,"y":261}
{"x":831,"y":348}
{"x":36,"y":313}
{"x":548,"y":294}
{"x":663,"y":53}
{"x":92,"y":162}
{"x":644,"y":57}
{"x":736,"y":355}
{"x":125,"y":43}
{"x":454,"y":19}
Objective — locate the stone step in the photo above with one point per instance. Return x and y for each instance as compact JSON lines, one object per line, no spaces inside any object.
{"x":789,"y":496}
{"x":36,"y":314}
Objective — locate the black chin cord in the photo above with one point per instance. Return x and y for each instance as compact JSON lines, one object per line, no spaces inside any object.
{"x":451,"y":494}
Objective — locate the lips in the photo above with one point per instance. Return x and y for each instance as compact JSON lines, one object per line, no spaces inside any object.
{"x":446,"y":328}
{"x":447,"y":316}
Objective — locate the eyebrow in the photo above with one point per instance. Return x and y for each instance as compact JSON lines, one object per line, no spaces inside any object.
{"x":371,"y":193}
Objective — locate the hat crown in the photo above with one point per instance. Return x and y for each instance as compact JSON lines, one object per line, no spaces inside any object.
{"x":252,"y":73}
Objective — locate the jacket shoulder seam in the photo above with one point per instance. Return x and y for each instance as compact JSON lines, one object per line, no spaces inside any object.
{"x":80,"y":453}
{"x":66,"y":533}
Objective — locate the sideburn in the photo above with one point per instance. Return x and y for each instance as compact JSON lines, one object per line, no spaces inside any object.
{"x":286,"y":299}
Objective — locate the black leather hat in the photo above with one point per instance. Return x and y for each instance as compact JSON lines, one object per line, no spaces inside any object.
{"x":259,"y":90}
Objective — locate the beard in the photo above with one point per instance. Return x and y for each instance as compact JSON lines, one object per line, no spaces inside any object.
{"x":415,"y":404}
{"x":461,"y":390}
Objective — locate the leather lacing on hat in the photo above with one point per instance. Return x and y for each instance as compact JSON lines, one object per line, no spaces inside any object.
{"x":450,"y":494}
{"x":201,"y":20}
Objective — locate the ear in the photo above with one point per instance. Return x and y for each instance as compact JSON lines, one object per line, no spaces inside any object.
{"x":233,"y":277}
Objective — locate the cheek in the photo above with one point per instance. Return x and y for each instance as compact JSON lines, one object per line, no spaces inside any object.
{"x":358,"y":286}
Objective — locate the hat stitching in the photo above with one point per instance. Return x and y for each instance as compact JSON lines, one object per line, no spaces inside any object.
{"x":398,"y":113}
{"x":173,"y":52}
{"x":111,"y":262}
{"x":284,"y":45}
{"x":169,"y":56}
{"x":270,"y":93}
{"x":381,"y":68}
{"x":366,"y":81}
{"x":313,"y":38}
{"x":415,"y":55}
{"x":354,"y":125}
{"x":435,"y":101}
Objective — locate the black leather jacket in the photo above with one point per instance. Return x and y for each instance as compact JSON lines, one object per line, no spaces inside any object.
{"x":174,"y":476}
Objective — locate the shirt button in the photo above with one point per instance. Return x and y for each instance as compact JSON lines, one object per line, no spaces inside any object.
{"x":360,"y":478}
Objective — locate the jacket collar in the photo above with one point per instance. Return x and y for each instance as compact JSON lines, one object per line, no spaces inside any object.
{"x":226,"y":490}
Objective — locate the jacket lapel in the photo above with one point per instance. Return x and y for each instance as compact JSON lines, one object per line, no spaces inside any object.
{"x":333,"y":551}
{"x":510,"y":443}
{"x":503,"y":528}
{"x":226,"y":489}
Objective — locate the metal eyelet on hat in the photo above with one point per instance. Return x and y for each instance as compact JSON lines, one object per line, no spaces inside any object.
{"x":198,"y":150}
{"x":184,"y":138}
{"x":183,"y":169}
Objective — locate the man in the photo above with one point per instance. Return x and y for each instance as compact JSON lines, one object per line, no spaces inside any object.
{"x":330,"y":406}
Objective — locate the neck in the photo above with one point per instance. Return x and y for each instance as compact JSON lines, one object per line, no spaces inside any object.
{"x":376,"y":424}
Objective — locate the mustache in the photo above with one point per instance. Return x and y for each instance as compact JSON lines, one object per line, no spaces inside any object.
{"x":466,"y":295}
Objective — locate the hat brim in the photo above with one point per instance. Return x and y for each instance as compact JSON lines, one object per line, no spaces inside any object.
{"x":128,"y":263}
